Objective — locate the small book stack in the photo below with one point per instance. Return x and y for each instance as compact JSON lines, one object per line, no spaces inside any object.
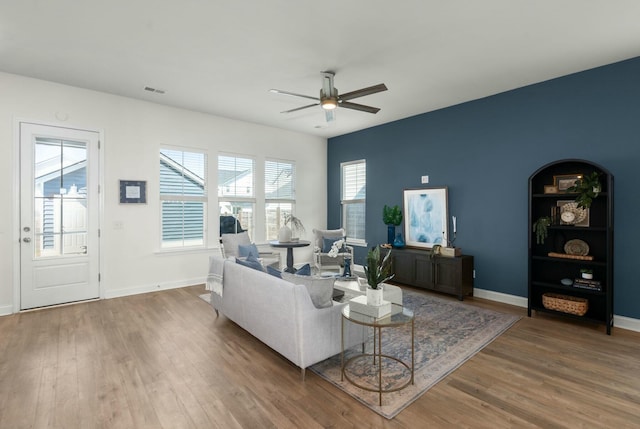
{"x":594,"y":285}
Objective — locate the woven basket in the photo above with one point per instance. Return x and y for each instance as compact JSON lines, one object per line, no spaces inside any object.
{"x":565,"y":303}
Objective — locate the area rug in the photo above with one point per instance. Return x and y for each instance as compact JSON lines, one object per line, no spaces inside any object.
{"x":447,"y":334}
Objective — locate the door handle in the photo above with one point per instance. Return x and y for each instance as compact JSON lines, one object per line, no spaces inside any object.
{"x":26,"y":240}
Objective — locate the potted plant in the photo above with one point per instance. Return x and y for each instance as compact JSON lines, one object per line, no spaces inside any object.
{"x":588,"y":187}
{"x":392,"y":217}
{"x":540,"y":228}
{"x":377,"y":271}
{"x":288,"y":234}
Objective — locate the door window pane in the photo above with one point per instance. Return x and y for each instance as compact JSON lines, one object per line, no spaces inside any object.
{"x":60,"y":197}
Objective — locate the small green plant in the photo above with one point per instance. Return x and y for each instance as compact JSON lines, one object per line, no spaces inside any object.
{"x":391,"y":215}
{"x":586,"y":271}
{"x":377,"y":271}
{"x":588,"y":188}
{"x":540,"y":228}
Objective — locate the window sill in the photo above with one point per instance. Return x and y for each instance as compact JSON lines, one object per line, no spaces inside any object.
{"x":186,"y":250}
{"x":357,"y":243}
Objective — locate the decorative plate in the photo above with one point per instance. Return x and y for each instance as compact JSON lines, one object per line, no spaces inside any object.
{"x":576,"y":247}
{"x":580,"y":213}
{"x":567,"y":282}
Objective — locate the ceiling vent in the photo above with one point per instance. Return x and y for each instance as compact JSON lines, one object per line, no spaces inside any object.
{"x":156,"y":90}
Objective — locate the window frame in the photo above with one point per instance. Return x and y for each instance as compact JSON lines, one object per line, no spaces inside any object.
{"x":251,"y":229}
{"x":346,"y":202}
{"x":204,"y":199}
{"x":279,"y":200}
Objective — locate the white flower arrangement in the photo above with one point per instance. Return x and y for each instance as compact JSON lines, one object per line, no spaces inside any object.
{"x":336,"y":247}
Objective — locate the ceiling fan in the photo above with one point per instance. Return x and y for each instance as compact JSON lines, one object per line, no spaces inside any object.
{"x":330,"y":99}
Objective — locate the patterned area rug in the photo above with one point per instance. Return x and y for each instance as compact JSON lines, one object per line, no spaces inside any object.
{"x":447,"y":334}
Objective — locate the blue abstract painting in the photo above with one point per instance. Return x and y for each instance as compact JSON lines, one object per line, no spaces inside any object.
{"x":426,"y":217}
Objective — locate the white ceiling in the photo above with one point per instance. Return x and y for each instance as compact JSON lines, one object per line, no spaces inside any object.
{"x":222,"y":57}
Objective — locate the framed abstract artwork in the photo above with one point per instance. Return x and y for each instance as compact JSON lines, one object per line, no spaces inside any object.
{"x":426,"y":217}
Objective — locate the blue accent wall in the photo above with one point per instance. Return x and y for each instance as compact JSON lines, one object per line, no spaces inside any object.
{"x":485,"y":150}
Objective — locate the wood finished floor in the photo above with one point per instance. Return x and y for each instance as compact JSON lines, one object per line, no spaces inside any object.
{"x":163,"y":360}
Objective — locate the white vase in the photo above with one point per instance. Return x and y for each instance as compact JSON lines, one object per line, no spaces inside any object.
{"x":588,"y":276}
{"x":374,"y":296}
{"x":284,"y":235}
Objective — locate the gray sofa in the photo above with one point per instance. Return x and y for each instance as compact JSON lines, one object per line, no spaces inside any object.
{"x":282,"y":315}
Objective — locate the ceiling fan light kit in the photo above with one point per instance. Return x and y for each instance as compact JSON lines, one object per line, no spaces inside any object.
{"x":330,"y":99}
{"x":329,"y":103}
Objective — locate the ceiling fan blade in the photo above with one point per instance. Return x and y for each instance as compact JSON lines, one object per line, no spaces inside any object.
{"x":364,"y":91}
{"x":300,"y":108}
{"x":293,"y":94}
{"x":360,"y":107}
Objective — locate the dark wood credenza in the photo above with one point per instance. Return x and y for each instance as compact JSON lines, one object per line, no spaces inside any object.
{"x":415,"y":267}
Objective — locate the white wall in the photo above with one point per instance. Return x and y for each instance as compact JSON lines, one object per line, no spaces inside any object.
{"x":133,"y":132}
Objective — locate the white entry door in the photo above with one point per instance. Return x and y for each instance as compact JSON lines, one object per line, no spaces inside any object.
{"x":59,"y":215}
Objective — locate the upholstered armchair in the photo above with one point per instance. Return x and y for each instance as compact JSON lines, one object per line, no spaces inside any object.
{"x":239,"y":245}
{"x":323,"y":240}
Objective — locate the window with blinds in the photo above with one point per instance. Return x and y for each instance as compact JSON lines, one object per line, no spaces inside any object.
{"x":354,"y":189}
{"x":183,"y":198}
{"x":236,"y":189}
{"x":280,"y":195}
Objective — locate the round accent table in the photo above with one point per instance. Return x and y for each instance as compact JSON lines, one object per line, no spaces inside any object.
{"x":399,"y":316}
{"x":289,"y":245}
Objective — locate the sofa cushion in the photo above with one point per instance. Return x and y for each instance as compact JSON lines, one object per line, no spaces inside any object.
{"x":320,"y":288}
{"x":244,"y":250}
{"x":251,"y":262}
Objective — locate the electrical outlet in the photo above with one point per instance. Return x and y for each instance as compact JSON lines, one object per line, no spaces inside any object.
{"x":425,"y":179}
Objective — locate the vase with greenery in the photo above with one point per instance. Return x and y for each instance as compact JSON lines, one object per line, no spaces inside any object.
{"x":292,"y":233}
{"x":588,"y":188}
{"x":540,"y":228}
{"x":377,"y":271}
{"x":392,"y":217}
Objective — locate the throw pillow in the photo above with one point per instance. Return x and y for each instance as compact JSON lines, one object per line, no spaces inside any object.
{"x":327,"y":243}
{"x":304,"y":270}
{"x":274,"y":272}
{"x":244,"y":250}
{"x":320,"y":288}
{"x":251,"y":262}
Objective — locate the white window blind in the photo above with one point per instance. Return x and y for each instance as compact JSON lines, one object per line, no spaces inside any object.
{"x":183,"y":197}
{"x":354,"y":190}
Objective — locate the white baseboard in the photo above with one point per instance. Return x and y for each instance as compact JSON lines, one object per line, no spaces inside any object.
{"x":618,"y":321}
{"x":6,"y":310}
{"x":518,"y":301}
{"x":622,"y":322}
{"x":136,"y":290}
{"x":626,"y":323}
